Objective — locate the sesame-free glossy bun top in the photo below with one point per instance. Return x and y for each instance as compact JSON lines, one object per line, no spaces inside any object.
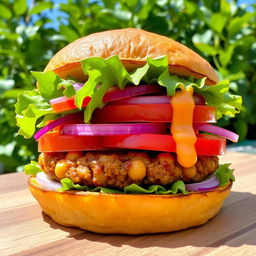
{"x":133,"y":46}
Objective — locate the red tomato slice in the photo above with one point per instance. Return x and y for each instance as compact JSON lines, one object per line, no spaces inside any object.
{"x":65,"y":104}
{"x":207,"y":145}
{"x":149,"y":113}
{"x":53,"y":142}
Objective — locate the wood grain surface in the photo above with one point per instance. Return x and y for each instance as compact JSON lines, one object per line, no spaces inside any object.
{"x":25,"y":230}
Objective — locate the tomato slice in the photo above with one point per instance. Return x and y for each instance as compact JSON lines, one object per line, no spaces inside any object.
{"x":207,"y":145}
{"x":54,"y":142}
{"x":149,"y":113}
{"x":63,"y":104}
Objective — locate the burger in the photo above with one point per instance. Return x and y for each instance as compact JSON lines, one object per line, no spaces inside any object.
{"x":123,"y":120}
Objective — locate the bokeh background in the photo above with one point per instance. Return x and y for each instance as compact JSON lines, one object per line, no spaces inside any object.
{"x":223,"y":32}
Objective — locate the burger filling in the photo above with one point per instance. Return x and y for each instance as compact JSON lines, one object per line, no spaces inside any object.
{"x":121,"y":169}
{"x":169,"y":117}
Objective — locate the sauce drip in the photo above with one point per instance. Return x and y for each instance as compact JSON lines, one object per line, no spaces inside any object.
{"x":181,"y":127}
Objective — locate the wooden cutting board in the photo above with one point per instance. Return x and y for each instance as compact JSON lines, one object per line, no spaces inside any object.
{"x":25,"y":230}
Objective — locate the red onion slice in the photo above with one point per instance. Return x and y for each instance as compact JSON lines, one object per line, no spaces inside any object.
{"x":46,"y":183}
{"x":217,"y":131}
{"x":59,"y":100}
{"x":159,"y":99}
{"x":56,"y":123}
{"x":210,"y":183}
{"x":116,"y":94}
{"x":112,"y":129}
{"x":142,"y":100}
{"x":77,"y":86}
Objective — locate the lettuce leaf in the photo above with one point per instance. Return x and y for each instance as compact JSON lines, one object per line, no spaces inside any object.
{"x":150,"y":72}
{"x":29,"y":108}
{"x":34,"y":104}
{"x":68,"y":184}
{"x":219,"y":96}
{"x":176,"y":187}
{"x":51,"y":86}
{"x":33,"y":168}
{"x":68,"y":88}
{"x":48,"y":84}
{"x":224,"y":174}
{"x":172,"y":82}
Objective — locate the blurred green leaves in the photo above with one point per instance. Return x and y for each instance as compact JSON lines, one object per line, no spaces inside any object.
{"x":5,"y":12}
{"x":38,"y":8}
{"x":20,"y":7}
{"x":32,"y":31}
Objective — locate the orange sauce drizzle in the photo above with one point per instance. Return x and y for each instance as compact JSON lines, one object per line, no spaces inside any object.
{"x":181,"y":127}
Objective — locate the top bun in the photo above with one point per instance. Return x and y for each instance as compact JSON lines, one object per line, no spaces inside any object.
{"x":133,"y":46}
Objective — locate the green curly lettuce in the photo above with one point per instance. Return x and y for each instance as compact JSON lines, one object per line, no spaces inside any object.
{"x":224,"y":174}
{"x":30,"y":107}
{"x":175,"y":188}
{"x":33,"y":108}
{"x":33,"y":168}
{"x":106,"y":73}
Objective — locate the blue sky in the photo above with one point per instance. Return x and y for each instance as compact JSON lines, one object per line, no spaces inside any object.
{"x":246,"y":2}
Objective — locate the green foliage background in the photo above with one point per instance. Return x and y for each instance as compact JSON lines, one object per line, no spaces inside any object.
{"x":32,"y":31}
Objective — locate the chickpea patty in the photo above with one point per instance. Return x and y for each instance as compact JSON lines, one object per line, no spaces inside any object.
{"x":117,"y":170}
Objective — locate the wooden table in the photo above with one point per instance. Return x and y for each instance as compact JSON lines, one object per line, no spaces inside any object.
{"x":25,"y":230}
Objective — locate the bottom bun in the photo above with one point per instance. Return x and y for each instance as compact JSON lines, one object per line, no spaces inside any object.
{"x":130,"y":213}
